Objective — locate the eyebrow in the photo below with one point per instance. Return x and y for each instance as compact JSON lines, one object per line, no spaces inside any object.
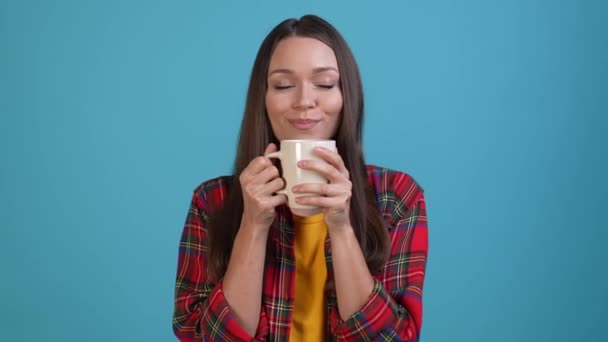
{"x":314,"y":71}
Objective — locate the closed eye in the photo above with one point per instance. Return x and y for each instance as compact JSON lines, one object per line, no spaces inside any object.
{"x":326,"y":86}
{"x":282,"y":87}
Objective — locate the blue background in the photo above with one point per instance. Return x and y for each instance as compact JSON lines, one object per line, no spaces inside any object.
{"x":113,"y":111}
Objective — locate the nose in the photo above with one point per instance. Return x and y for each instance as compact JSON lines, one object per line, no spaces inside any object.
{"x":305,"y":98}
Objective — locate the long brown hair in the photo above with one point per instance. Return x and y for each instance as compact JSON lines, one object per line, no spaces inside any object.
{"x":256,"y":133}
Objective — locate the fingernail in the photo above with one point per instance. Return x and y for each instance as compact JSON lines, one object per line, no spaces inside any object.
{"x":302,"y":163}
{"x":295,"y":189}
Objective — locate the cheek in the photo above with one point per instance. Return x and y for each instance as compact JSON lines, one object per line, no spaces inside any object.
{"x":270,"y":103}
{"x":275,"y":104}
{"x":333,"y":104}
{"x":333,"y":108}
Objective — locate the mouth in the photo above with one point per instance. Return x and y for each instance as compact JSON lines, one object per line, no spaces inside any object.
{"x":304,"y":124}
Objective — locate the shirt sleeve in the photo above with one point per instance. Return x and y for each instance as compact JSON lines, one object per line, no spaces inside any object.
{"x":201,"y":311}
{"x":393,"y":311}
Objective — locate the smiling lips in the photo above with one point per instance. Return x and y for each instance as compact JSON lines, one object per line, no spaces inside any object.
{"x":304,"y":123}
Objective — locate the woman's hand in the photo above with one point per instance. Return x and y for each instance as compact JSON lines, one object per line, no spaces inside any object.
{"x":259,"y":181}
{"x":333,"y":197}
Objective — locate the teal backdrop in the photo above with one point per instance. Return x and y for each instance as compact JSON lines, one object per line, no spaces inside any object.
{"x":112,"y":112}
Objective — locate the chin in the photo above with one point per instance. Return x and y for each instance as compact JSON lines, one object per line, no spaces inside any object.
{"x":306,"y":136}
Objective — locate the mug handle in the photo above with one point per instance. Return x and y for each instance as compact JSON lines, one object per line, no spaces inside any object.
{"x":277,"y":155}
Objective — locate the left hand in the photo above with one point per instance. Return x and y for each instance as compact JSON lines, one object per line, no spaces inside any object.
{"x":333,"y":197}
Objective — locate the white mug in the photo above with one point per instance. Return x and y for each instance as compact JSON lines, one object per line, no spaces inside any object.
{"x":290,"y":153}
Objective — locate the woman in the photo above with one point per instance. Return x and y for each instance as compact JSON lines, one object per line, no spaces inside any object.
{"x":249,"y":269}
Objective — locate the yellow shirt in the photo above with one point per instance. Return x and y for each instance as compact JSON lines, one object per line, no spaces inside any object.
{"x":309,"y":309}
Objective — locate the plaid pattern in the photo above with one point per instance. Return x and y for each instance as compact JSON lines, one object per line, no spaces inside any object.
{"x":392,"y":313}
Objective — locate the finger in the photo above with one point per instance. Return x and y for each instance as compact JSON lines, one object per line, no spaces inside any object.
{"x":333,"y":158}
{"x":277,"y":200}
{"x":270,"y":148}
{"x":274,"y":186}
{"x":257,"y":165}
{"x":334,"y":203}
{"x":321,"y":189}
{"x":269,"y":173}
{"x":325,"y":169}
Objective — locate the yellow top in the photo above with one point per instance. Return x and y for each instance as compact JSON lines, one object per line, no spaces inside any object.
{"x":309,"y":310}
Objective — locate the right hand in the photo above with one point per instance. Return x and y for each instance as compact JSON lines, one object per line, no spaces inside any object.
{"x":259,"y":182}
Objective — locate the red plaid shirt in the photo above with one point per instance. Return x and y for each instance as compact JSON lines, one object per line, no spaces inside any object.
{"x":393,"y":312}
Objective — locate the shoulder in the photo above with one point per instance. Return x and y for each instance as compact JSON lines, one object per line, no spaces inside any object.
{"x":396,"y":191}
{"x":212,"y":192}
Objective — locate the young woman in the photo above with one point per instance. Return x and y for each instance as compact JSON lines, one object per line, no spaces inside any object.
{"x":249,"y":269}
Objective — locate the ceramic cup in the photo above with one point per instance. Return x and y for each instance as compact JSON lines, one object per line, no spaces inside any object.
{"x":292,"y":151}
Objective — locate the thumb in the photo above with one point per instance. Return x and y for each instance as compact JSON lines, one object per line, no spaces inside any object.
{"x":270,"y":148}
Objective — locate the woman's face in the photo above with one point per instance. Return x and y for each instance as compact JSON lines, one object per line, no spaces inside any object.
{"x":304,"y":99}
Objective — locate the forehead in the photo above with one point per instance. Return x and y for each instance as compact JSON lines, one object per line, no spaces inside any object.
{"x":302,"y":54}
